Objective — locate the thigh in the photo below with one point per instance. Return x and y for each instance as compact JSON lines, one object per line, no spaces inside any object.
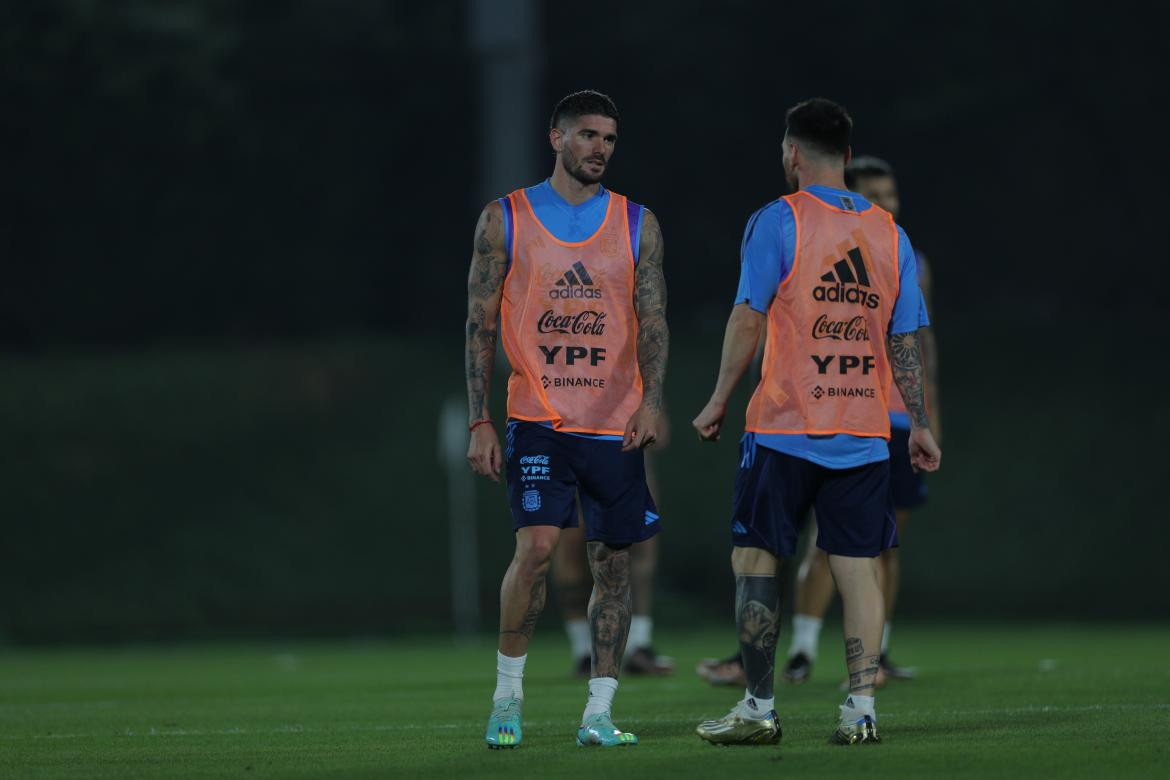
{"x":615,"y":499}
{"x":542,"y":489}
{"x":855,"y":513}
{"x":773,"y":493}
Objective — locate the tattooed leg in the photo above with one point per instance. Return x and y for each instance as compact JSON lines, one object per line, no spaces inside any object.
{"x":609,"y":607}
{"x":864,"y":607}
{"x":757,"y":618}
{"x":522,"y":594}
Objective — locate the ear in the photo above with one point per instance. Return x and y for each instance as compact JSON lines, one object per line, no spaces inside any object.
{"x":556,"y":139}
{"x":848,"y":154}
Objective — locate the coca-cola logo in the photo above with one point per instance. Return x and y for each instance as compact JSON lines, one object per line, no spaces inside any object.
{"x":855,"y":329}
{"x":585,"y":323}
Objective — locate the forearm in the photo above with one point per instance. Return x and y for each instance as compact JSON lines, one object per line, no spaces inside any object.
{"x":906,"y":365}
{"x":479,"y":363}
{"x":653,"y":346}
{"x":739,"y":347}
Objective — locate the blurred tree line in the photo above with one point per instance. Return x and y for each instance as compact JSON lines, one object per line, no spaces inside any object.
{"x":209,"y":168}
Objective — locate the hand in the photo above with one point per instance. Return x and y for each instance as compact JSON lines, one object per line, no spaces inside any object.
{"x":925,"y":454}
{"x":710,"y":420}
{"x":484,"y":452}
{"x":641,"y":430}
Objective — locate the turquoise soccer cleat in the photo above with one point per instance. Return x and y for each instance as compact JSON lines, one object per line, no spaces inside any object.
{"x":599,"y":730}
{"x":503,"y":729}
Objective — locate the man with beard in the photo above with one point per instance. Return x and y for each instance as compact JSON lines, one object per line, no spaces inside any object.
{"x":822,"y":261}
{"x":575,"y":273}
{"x":874,"y":180}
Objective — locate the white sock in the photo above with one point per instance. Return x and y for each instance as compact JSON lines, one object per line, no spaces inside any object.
{"x":509,"y":677}
{"x":755,"y":706}
{"x":856,"y":706}
{"x":886,"y":638}
{"x":640,"y":628}
{"x":806,"y":633}
{"x":580,"y":643}
{"x":601,"y":691}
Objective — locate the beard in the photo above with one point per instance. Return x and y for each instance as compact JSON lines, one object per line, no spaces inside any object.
{"x":576,"y":169}
{"x":790,"y":178}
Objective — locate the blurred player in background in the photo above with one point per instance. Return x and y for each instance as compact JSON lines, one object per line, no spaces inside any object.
{"x":574,"y":273}
{"x":573,"y":584}
{"x":833,"y":278}
{"x":874,"y":180}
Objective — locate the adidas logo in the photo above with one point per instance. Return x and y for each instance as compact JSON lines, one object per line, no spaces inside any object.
{"x":849,"y":270}
{"x":576,"y":283}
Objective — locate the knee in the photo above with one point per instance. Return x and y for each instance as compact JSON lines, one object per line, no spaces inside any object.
{"x":534,"y":553}
{"x":753,"y":560}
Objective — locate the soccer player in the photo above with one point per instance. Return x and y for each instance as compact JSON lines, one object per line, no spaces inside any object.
{"x":833,"y":278}
{"x":573,"y":584}
{"x":874,"y":180}
{"x":575,"y":273}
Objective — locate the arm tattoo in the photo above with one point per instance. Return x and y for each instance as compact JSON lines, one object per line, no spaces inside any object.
{"x":609,"y":607}
{"x":757,"y":618}
{"x":906,"y":364}
{"x":484,"y":287}
{"x":650,"y":307}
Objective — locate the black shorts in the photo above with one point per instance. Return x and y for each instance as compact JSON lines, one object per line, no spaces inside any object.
{"x":546,"y":471}
{"x":774,"y":492}
{"x":907,"y":487}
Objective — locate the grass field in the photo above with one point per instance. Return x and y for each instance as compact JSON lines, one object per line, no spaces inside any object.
{"x":990,"y":700}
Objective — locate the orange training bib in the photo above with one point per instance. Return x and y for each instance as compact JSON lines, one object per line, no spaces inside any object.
{"x":825,"y":365}
{"x":568,"y":322}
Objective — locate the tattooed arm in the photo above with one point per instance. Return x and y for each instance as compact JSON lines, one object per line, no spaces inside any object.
{"x":906,"y":364}
{"x":485,"y":284}
{"x":653,"y":335}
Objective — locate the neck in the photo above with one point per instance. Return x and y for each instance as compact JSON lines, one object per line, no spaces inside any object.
{"x":822,"y":176}
{"x":570,"y":188}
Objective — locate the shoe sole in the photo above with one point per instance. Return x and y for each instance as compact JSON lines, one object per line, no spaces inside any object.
{"x":754,"y":739}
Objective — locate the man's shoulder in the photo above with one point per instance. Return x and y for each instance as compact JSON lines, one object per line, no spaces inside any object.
{"x":767,"y":218}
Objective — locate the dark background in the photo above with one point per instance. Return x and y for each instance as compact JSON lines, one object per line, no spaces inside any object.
{"x":235,"y":237}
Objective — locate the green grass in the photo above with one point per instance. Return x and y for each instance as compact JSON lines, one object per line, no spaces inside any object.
{"x":990,"y":700}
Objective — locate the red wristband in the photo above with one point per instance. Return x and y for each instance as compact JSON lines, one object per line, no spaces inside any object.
{"x":478,"y":423}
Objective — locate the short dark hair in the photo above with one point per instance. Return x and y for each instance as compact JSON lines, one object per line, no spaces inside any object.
{"x":866,"y":167}
{"x":823,"y":124}
{"x":583,"y":103}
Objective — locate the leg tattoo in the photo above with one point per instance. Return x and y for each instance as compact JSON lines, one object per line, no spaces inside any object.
{"x":609,"y":608}
{"x":757,"y":616}
{"x":536,"y":598}
{"x":863,"y":667}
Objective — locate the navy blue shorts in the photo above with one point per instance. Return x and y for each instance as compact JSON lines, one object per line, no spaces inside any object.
{"x":909,"y":489}
{"x":547,"y":470}
{"x":774,"y":492}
